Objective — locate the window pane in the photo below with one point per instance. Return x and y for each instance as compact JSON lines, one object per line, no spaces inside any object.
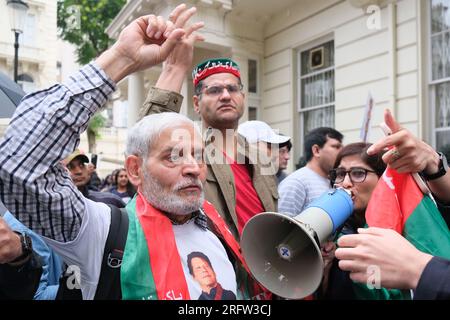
{"x":29,"y":32}
{"x":318,"y":89}
{"x":436,"y":48}
{"x":443,"y":141}
{"x":318,"y":118}
{"x":252,"y":76}
{"x":252,"y":113}
{"x":440,"y":50}
{"x":446,"y":54}
{"x":440,"y":15}
{"x":442,"y":103}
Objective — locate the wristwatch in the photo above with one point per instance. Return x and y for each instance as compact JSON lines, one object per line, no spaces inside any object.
{"x":443,"y":168}
{"x":27,"y":247}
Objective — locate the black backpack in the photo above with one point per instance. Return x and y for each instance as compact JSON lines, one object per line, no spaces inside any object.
{"x":108,"y":287}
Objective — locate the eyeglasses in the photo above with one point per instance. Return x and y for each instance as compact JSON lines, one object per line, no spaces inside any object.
{"x":357,"y":175}
{"x":218,"y":90}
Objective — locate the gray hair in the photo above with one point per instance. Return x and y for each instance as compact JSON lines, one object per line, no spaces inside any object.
{"x":147,"y":131}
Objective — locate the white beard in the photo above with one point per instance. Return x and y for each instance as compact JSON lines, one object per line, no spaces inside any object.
{"x":170,"y":202}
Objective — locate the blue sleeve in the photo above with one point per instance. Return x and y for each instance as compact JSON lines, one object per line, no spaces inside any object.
{"x":51,"y":262}
{"x":434,"y":284}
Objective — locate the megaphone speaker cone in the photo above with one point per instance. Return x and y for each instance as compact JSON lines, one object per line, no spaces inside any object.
{"x":283,"y":255}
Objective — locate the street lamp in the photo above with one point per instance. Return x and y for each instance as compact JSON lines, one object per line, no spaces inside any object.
{"x":17,"y":15}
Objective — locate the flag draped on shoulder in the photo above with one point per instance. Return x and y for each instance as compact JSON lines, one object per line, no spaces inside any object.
{"x":397,"y":203}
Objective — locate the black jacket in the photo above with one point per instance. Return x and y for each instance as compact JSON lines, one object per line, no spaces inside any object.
{"x":434,"y":284}
{"x":20,"y":283}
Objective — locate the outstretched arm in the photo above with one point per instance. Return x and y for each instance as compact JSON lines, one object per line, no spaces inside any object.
{"x":412,"y":155}
{"x":47,"y":125}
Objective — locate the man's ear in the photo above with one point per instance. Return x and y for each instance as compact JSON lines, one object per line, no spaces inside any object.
{"x":195,"y":100}
{"x":133,"y":165}
{"x":315,"y":150}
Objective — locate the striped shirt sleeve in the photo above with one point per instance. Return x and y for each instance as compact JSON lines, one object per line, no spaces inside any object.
{"x":45,"y":129}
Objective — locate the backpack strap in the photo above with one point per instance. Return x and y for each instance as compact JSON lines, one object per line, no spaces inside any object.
{"x":108,"y":287}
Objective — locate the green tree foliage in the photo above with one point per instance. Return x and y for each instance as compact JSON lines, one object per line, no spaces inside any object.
{"x":93,"y":131}
{"x":83,"y":23}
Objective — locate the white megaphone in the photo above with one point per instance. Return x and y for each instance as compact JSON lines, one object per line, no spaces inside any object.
{"x":283,"y":253}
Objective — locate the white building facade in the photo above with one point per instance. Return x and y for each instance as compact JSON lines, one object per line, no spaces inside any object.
{"x":313,"y":63}
{"x":38,"y":50}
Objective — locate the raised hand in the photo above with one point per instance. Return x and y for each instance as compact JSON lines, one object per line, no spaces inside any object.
{"x":146,"y":42}
{"x":180,"y":58}
{"x":409,"y":154}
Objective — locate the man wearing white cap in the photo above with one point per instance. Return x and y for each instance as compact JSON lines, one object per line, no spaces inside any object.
{"x":278,"y":146}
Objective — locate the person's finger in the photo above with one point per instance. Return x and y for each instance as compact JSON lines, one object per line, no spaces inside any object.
{"x":184,"y":17}
{"x":360,"y":277}
{"x":376,"y":231}
{"x":171,"y":42}
{"x":152,"y":25}
{"x":347,"y":253}
{"x":173,"y":16}
{"x":351,"y":240}
{"x":391,"y":157}
{"x":196,"y":37}
{"x":390,"y":121}
{"x":404,"y":164}
{"x":386,"y":142}
{"x":352,"y":266}
{"x":194,"y":27}
{"x":161,"y":27}
{"x":169,"y":28}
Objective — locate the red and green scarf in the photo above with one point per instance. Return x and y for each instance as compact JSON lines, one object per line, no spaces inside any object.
{"x":152,"y":268}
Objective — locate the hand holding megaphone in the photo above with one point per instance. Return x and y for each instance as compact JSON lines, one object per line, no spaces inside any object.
{"x":284,"y":253}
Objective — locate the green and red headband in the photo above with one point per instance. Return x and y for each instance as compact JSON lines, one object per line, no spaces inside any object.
{"x":212,"y":66}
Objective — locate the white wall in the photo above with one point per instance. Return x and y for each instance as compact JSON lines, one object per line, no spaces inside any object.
{"x":37,"y":57}
{"x":362,"y":63}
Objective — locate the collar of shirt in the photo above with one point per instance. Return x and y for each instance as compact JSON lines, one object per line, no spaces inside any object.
{"x":199,"y":218}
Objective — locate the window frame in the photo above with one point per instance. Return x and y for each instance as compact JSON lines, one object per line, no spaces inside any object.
{"x":299,"y":77}
{"x":432,"y":84}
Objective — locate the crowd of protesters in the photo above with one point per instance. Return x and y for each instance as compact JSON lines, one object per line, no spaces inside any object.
{"x":168,"y":224}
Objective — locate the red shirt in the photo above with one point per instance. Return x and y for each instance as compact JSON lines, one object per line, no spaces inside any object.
{"x":247,"y":201}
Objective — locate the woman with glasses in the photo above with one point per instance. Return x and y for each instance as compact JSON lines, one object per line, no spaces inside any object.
{"x":358,"y":172}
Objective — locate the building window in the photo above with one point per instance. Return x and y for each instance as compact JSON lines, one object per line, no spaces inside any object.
{"x":440,"y":72}
{"x":252,"y":76}
{"x":26,"y":82}
{"x":252,"y":113}
{"x":316,"y":87}
{"x":28,"y":37}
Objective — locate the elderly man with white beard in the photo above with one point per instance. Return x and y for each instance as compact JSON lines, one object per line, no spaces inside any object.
{"x":168,"y":218}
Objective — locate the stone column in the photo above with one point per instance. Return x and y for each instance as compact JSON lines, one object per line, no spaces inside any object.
{"x":136,"y":96}
{"x":187,"y":96}
{"x":241,"y":59}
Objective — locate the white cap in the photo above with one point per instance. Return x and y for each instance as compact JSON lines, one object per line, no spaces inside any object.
{"x":255,"y":131}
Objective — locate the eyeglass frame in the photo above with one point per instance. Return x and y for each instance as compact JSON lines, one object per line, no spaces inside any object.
{"x":222,"y":87}
{"x":348,"y":172}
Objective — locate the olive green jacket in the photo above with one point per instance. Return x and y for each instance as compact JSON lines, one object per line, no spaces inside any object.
{"x":220,"y":188}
